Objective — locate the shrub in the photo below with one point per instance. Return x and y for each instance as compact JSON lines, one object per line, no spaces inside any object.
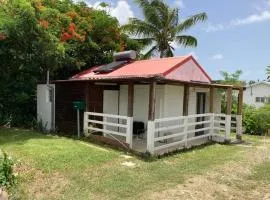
{"x":256,"y":120}
{"x":7,"y":177}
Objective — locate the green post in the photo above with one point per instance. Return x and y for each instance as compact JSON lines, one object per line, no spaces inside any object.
{"x":78,"y":105}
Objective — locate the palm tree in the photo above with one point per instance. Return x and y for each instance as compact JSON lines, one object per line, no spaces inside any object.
{"x":232,"y":78}
{"x":162,"y":28}
{"x":268,"y":72}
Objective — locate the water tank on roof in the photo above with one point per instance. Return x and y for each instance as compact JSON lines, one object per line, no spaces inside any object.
{"x":124,"y":55}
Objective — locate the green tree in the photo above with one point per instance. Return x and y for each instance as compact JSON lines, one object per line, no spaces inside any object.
{"x":268,"y":72}
{"x":161,"y":27}
{"x":231,"y":78}
{"x":56,"y":35}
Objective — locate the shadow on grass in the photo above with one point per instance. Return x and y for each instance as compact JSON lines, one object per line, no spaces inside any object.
{"x":146,"y":156}
{"x":19,"y":136}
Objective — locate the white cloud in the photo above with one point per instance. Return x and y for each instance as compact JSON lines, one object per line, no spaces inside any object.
{"x":255,"y":18}
{"x":251,"y":19}
{"x":122,"y":12}
{"x":179,"y":3}
{"x":261,"y":5}
{"x":214,"y":28}
{"x":217,"y":57}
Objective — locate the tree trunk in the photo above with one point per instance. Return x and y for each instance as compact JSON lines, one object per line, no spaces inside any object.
{"x":162,"y":54}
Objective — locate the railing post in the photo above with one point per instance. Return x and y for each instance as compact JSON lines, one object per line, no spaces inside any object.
{"x":239,"y":127}
{"x":150,"y":136}
{"x":227,"y":128}
{"x":85,"y":123}
{"x":129,"y":131}
{"x":212,"y":124}
{"x":186,"y":130}
{"x":105,"y":126}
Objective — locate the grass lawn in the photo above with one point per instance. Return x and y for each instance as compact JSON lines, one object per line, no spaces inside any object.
{"x":52,"y":167}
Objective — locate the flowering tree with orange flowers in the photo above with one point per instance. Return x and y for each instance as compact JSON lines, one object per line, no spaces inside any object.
{"x":56,"y":35}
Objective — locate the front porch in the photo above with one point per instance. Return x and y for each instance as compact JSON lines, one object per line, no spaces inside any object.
{"x":193,"y":124}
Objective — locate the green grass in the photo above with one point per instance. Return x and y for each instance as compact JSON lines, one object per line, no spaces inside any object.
{"x":262,"y":172}
{"x":52,"y":167}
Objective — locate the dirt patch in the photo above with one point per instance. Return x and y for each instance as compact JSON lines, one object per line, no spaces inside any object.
{"x":129,"y":164}
{"x":47,"y":186}
{"x":200,"y":187}
{"x":40,"y":184}
{"x":229,"y":181}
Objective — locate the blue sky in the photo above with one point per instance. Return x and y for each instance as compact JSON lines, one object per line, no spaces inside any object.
{"x":235,"y":36}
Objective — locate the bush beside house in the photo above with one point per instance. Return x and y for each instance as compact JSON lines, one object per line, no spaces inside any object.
{"x":256,"y":121}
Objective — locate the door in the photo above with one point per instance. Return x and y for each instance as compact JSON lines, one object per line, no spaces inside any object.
{"x":201,"y":99}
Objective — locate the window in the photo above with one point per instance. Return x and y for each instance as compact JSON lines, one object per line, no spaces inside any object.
{"x":261,"y":99}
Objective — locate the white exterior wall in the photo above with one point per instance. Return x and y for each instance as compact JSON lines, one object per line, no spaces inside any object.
{"x":256,"y":90}
{"x":173,"y":101}
{"x":141,"y":102}
{"x":123,"y":100}
{"x":110,"y":103}
{"x":169,"y":102}
{"x":110,"y":106}
{"x":45,"y":108}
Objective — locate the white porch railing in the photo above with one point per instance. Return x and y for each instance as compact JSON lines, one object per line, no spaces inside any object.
{"x":167,"y":134}
{"x":182,"y":131}
{"x":108,"y":124}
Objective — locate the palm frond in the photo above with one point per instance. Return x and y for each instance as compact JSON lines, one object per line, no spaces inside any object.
{"x":162,"y":26}
{"x":142,"y":3}
{"x":186,"y":40}
{"x":162,"y":10}
{"x":175,"y":17}
{"x":146,"y":41}
{"x":150,"y":12}
{"x":268,"y":72}
{"x":139,"y":27}
{"x":189,"y":22}
{"x":150,"y":52}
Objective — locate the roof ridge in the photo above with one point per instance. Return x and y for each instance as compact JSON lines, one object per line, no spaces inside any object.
{"x":260,"y":82}
{"x":167,"y":58}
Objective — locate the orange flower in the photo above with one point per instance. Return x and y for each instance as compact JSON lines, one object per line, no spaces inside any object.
{"x":72,"y":28}
{"x":65,"y":37}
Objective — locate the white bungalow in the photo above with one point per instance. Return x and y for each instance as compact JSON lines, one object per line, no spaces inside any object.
{"x":257,"y":94}
{"x":156,"y":105}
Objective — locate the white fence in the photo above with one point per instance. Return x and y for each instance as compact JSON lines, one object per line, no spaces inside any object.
{"x":117,"y":126}
{"x":167,"y":134}
{"x":172,"y":133}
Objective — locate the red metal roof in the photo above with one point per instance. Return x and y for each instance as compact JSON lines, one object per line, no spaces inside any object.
{"x":184,"y":68}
